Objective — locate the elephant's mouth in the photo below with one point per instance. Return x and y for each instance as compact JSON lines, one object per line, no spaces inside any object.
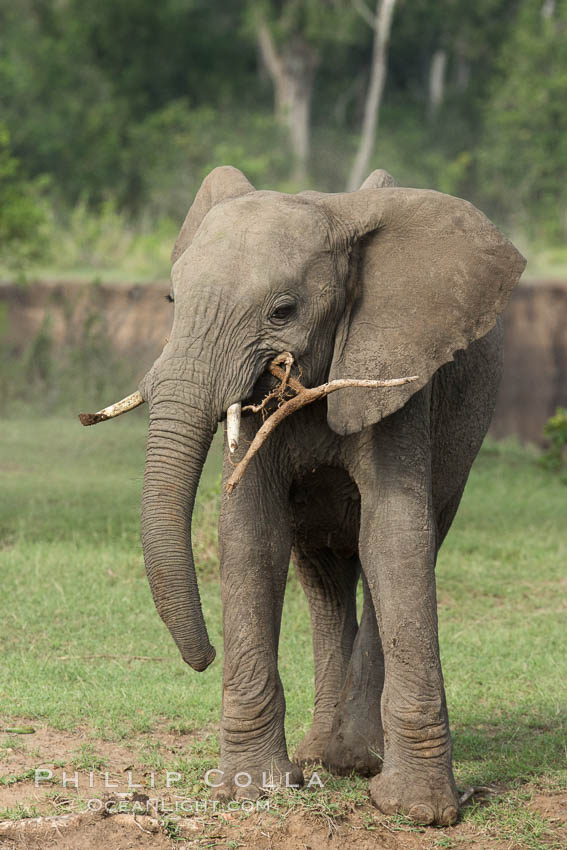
{"x":233,"y":414}
{"x":265,"y":385}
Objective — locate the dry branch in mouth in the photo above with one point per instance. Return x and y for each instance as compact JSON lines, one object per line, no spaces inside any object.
{"x":286,"y":382}
{"x":303,"y":396}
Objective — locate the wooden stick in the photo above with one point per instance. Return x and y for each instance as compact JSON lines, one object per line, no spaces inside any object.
{"x":303,"y":397}
{"x":284,"y":377}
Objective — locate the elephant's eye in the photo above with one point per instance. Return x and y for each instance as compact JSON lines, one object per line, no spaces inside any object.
{"x":169,"y":297}
{"x":282,"y":312}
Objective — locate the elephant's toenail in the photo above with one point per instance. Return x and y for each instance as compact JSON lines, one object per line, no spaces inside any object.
{"x":389,"y":805}
{"x":251,"y":792}
{"x":450,"y":815}
{"x":422,"y":814}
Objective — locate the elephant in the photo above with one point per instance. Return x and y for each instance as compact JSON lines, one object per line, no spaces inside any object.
{"x":378,"y":283}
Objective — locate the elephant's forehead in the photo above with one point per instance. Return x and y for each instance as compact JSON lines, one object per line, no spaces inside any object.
{"x":265,"y":227}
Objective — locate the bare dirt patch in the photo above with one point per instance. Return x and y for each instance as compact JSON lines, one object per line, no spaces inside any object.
{"x":58,"y":814}
{"x":553,"y":807}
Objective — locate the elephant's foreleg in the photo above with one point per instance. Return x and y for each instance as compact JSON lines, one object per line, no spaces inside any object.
{"x":329,"y":582}
{"x":255,"y":544}
{"x":397,"y":551}
{"x":356,"y":742}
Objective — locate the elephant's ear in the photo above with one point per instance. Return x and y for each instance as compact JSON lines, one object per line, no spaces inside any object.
{"x":221,"y":184}
{"x":432,"y":275}
{"x":379,"y":179}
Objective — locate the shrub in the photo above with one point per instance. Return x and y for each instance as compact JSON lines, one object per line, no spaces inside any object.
{"x":22,"y":212}
{"x":555,"y":430}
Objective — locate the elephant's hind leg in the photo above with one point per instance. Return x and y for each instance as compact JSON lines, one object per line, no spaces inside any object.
{"x":356,"y":742}
{"x":329,"y":582}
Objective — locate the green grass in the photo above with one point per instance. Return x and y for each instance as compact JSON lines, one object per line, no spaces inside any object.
{"x":77,"y":606}
{"x":501,"y":580}
{"x":19,"y":811}
{"x":78,"y":619}
{"x":510,"y":819}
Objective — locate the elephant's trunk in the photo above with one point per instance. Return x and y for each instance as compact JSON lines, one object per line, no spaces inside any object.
{"x":179,"y":438}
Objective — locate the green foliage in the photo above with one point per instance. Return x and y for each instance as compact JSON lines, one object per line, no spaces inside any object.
{"x":124,"y":107}
{"x":109,"y":240}
{"x":320,"y":22}
{"x":180,"y":144}
{"x":524,"y":150}
{"x":22,"y":213}
{"x":78,"y":78}
{"x":555,"y":430}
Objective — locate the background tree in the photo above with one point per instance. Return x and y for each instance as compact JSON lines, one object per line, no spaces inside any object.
{"x":125,"y":106}
{"x":292,"y":70}
{"x":291,"y":36}
{"x":524,"y":147}
{"x":381,"y":23}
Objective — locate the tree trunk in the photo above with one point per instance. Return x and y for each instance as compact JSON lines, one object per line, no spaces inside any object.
{"x":292,"y":71}
{"x":462,"y":72}
{"x":437,"y":71}
{"x":382,"y":28}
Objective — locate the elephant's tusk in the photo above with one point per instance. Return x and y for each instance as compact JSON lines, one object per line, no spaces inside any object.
{"x":123,"y":406}
{"x":233,"y":425}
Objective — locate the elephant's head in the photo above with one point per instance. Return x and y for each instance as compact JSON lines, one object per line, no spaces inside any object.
{"x":378,"y":283}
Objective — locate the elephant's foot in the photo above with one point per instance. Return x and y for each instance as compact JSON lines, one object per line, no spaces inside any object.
{"x":313,"y":747}
{"x":246,"y":781}
{"x":424,"y":796}
{"x":355,"y":744}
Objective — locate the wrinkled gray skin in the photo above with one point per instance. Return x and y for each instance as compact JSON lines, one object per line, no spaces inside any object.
{"x":383,"y":282}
